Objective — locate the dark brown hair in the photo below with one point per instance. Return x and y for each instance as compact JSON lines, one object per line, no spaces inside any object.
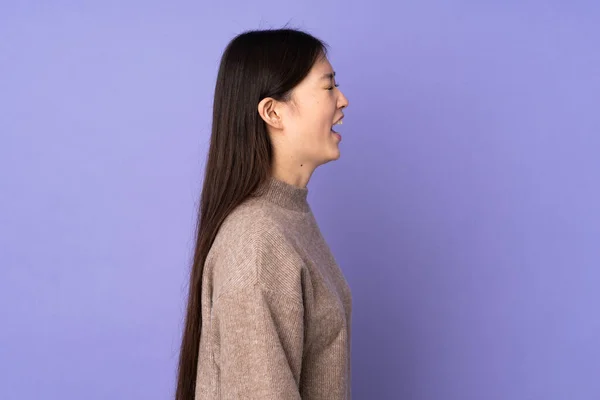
{"x":254,"y":65}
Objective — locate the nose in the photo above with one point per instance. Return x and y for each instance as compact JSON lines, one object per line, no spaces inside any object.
{"x":342,"y":101}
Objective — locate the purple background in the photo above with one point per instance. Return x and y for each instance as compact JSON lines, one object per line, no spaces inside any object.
{"x":465,"y":210}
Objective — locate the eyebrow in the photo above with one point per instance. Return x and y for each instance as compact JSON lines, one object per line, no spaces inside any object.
{"x":329,"y":75}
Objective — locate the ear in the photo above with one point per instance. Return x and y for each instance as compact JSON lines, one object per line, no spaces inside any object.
{"x":269,"y":111}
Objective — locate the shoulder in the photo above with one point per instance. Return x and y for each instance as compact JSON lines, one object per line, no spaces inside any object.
{"x":254,"y":225}
{"x":254,"y":247}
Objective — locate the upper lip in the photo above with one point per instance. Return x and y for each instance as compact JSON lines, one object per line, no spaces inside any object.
{"x":338,"y":120}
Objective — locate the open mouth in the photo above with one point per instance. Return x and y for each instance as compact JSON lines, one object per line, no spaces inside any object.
{"x":339,"y":122}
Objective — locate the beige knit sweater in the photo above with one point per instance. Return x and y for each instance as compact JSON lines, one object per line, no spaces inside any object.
{"x":276,"y":308}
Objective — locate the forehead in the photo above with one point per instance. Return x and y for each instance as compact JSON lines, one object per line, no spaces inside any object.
{"x":322,"y":70}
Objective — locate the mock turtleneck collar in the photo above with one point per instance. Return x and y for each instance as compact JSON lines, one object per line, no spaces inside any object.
{"x":285,"y":195}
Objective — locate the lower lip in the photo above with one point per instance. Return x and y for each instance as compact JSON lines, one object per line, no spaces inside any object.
{"x":337,"y":135}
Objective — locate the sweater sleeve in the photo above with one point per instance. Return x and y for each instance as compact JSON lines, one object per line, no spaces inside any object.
{"x":260,"y":335}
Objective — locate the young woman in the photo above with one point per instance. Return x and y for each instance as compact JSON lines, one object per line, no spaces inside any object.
{"x":269,"y":310}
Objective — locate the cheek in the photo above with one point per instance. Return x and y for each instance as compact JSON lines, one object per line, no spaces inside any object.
{"x":324,"y":115}
{"x":313,"y":120}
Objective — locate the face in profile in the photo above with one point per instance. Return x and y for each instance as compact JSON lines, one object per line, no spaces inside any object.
{"x":307,"y":124}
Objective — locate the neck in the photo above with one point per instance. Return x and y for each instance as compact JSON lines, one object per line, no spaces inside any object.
{"x":293,"y":172}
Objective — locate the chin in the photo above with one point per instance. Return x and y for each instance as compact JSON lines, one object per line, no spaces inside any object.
{"x":332,"y":157}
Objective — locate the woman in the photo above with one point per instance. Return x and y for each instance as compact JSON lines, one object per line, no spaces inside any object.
{"x":269,"y":310}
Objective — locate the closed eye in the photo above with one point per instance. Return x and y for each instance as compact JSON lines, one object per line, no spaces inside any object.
{"x":331,"y":87}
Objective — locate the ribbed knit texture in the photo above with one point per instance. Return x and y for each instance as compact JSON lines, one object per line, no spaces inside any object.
{"x":276,"y":308}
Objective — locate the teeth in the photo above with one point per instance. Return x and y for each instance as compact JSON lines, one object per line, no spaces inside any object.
{"x":339,"y":122}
